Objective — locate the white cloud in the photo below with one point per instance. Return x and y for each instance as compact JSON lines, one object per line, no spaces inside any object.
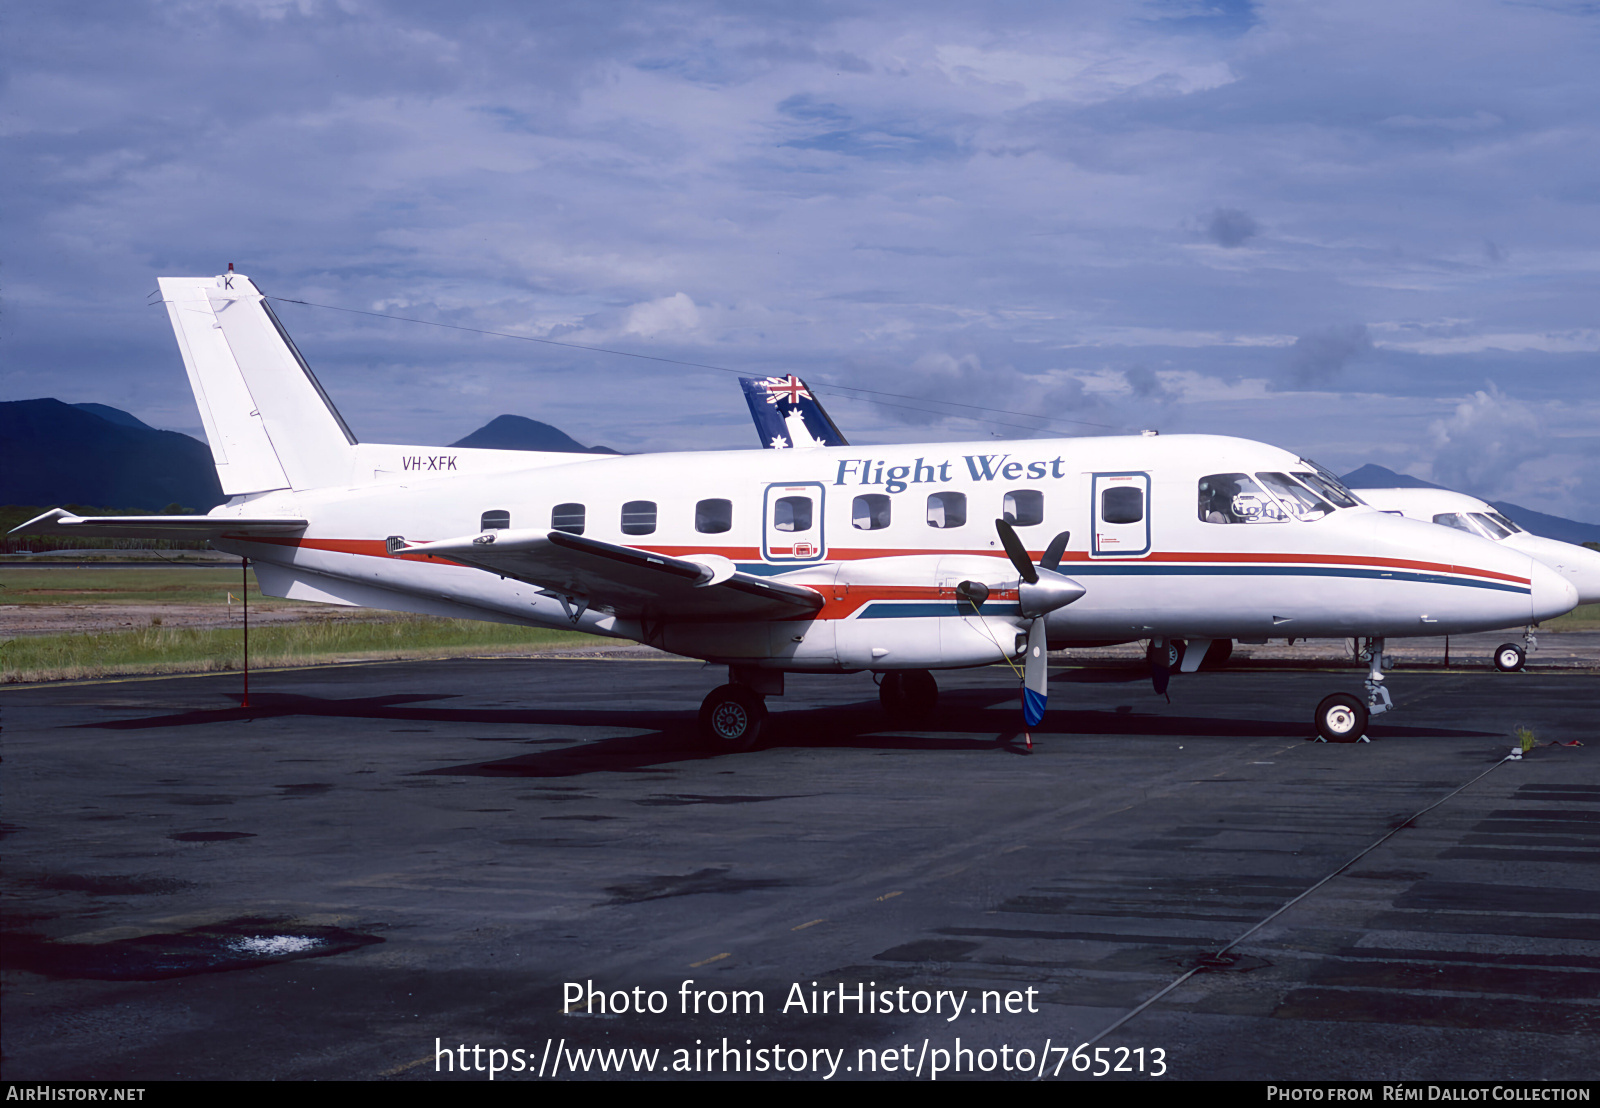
{"x":1484,"y":442}
{"x":675,"y":313}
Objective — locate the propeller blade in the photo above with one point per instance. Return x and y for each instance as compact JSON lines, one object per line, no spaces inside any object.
{"x":1053,"y":552}
{"x":1017,"y":552}
{"x":1036,"y":675}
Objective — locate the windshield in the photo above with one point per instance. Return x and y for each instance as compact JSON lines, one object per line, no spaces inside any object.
{"x":1504,"y":522}
{"x":1487,"y":522}
{"x":1302,"y":503}
{"x":1332,"y":479}
{"x":1331,"y":490}
{"x":1461,"y":521}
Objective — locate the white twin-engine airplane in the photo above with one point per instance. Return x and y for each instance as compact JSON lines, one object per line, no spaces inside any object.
{"x":830,"y":560}
{"x":1466,"y":513}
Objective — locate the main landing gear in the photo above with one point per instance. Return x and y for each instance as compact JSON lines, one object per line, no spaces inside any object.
{"x":909,"y":695}
{"x":1342,"y":718}
{"x":733,"y":717}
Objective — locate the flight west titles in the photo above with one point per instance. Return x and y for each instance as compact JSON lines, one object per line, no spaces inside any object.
{"x":975,"y":467}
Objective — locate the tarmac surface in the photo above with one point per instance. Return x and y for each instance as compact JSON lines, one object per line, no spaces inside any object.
{"x":374,"y":862}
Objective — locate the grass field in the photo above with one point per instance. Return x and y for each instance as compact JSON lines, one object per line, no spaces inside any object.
{"x":179,"y":649}
{"x":1585,"y":617}
{"x":32,"y":658}
{"x":24,"y":584}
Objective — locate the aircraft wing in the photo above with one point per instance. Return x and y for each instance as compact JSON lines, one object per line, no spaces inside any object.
{"x":636,"y":584}
{"x":59,"y":521}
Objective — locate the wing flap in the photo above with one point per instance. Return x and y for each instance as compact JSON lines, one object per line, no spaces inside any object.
{"x":59,"y":521}
{"x":635,"y":584}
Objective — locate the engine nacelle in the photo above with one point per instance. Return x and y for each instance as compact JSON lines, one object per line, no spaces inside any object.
{"x":904,"y":612}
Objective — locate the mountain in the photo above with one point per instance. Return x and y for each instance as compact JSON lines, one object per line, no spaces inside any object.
{"x":1376,"y":477}
{"x":55,"y":453}
{"x":510,"y":432}
{"x":115,"y":415}
{"x":1551,"y":527}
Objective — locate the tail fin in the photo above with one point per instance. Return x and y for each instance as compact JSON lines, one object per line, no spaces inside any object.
{"x":787,"y":415}
{"x":269,"y":422}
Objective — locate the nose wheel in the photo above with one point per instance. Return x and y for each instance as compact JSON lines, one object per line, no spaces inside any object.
{"x":1341,"y":718}
{"x":1510,"y":658}
{"x":732,"y":719}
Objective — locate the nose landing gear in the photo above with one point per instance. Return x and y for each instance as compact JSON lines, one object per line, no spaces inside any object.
{"x":1342,"y":718}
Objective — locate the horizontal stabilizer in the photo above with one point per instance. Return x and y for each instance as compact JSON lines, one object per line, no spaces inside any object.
{"x":635,"y":584}
{"x":59,"y":521}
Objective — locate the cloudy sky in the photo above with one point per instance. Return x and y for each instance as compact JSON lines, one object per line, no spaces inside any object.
{"x":1363,"y":231}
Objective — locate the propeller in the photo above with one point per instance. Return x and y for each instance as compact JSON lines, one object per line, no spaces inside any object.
{"x":1040,"y":591}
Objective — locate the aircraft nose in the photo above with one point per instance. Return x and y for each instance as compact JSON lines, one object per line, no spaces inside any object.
{"x":1584,"y":572}
{"x":1553,"y":594}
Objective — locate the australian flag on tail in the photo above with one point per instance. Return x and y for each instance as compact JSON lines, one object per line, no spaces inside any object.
{"x":787,"y":415}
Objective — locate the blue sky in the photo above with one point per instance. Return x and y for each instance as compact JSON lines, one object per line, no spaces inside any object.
{"x":1364,"y":231}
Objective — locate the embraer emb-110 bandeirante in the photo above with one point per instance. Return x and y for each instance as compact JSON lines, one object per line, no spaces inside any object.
{"x":1466,"y":513}
{"x":827,"y":560}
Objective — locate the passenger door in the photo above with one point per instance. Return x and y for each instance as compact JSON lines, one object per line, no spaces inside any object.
{"x":1121,"y":515}
{"x":792,"y":524}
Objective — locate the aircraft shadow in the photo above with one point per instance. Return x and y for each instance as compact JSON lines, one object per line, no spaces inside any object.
{"x":967,"y":719}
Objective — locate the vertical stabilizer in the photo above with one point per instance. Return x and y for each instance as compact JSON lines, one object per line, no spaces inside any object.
{"x":787,"y":415}
{"x":270,"y":424}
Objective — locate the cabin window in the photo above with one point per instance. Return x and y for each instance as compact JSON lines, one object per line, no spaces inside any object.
{"x":713,"y":517}
{"x":1024,"y":507}
{"x":494,"y":521}
{"x":1122,"y":504}
{"x":1236,"y":498}
{"x":870,"y":512}
{"x":792,"y":513}
{"x":947,"y":509}
{"x":639,"y":517}
{"x":568,"y":518}
{"x":1301,"y":501}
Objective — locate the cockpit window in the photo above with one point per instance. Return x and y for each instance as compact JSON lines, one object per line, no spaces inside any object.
{"x":1302,"y":503}
{"x":1330,"y":478}
{"x":1504,"y":522}
{"x":1487,"y":522}
{"x":1236,"y":498}
{"x":1458,"y":520}
{"x":1330,"y":490}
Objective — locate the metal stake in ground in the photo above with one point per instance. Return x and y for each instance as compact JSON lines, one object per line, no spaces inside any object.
{"x":244,"y":564}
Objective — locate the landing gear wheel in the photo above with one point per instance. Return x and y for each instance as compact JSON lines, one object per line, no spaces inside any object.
{"x":1217,"y":654}
{"x":732,"y":719}
{"x":909,"y":695}
{"x":1509,"y":657}
{"x":1341,"y":718}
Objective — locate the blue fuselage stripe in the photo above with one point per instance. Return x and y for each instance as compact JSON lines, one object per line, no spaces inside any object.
{"x":903,"y":609}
